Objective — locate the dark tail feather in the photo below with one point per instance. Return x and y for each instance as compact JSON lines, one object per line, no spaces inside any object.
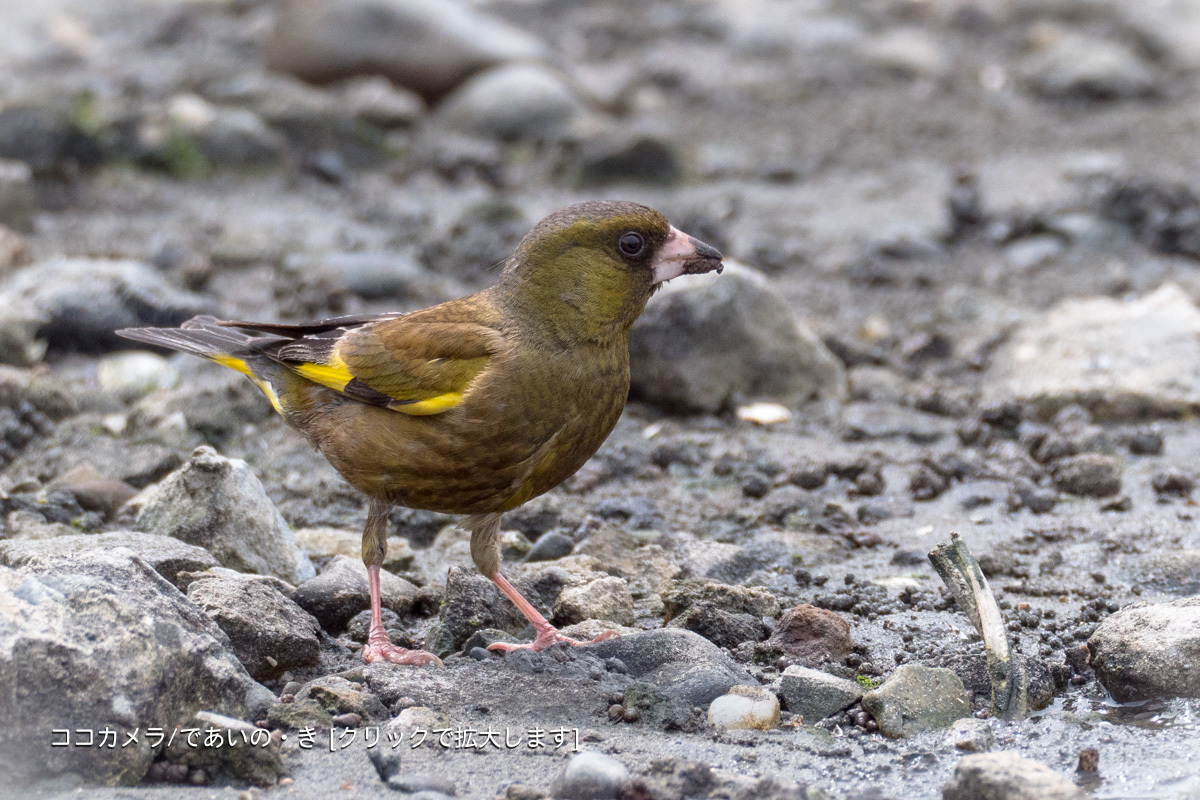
{"x":200,"y":336}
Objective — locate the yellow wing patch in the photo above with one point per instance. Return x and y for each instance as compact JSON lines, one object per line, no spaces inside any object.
{"x":238,"y":365}
{"x":335,"y":375}
{"x":235,"y":364}
{"x":434,"y":405}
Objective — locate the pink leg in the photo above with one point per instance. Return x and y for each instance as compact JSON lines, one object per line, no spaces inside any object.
{"x":379,"y":647}
{"x":547,"y":634}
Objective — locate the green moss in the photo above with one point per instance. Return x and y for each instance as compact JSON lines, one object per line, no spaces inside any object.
{"x":867,"y":682}
{"x":183,"y":159}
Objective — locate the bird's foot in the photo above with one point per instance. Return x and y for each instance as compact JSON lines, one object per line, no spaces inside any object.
{"x":380,"y":648}
{"x":546,"y":637}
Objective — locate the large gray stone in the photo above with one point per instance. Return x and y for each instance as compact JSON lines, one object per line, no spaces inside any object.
{"x":269,"y":632}
{"x":814,"y":694}
{"x":169,"y":557}
{"x":1007,"y":776}
{"x":77,"y":303}
{"x":428,"y":46}
{"x":590,"y":776}
{"x":679,"y":663}
{"x":341,"y":591}
{"x":709,"y":339}
{"x":604,"y":598}
{"x":1074,"y":66}
{"x":219,"y":504}
{"x":525,"y":102}
{"x":917,"y":699}
{"x":1149,"y":650}
{"x":1121,"y":360}
{"x":101,"y":639}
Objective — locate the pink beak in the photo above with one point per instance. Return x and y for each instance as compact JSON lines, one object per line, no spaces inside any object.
{"x":684,"y":255}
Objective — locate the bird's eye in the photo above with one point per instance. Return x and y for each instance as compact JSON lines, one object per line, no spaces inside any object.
{"x":631,"y":243}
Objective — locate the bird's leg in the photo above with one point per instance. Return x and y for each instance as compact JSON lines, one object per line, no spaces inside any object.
{"x":379,"y":646}
{"x":485,"y":551}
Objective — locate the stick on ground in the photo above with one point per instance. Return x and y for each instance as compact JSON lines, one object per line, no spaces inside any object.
{"x":961,"y":573}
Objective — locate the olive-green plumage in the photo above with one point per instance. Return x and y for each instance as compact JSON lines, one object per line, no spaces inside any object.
{"x":476,"y":405}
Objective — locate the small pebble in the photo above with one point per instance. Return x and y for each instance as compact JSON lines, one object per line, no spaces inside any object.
{"x":347,"y":720}
{"x":1089,"y":760}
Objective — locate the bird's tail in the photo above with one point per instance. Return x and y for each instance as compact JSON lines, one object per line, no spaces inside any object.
{"x":203,"y":336}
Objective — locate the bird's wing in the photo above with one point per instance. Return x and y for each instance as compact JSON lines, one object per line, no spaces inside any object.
{"x":411,"y":363}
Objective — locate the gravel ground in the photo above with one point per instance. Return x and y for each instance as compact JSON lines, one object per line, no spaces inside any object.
{"x":923,"y":188}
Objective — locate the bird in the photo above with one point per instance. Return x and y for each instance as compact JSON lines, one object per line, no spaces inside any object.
{"x":476,"y":405}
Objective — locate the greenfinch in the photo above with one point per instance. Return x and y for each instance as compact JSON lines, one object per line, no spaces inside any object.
{"x":476,"y":405}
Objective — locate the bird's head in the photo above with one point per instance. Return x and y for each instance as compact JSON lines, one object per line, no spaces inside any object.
{"x":587,"y":271}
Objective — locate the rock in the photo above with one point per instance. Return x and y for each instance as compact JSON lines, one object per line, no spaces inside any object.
{"x":704,"y":342}
{"x":269,"y":632}
{"x":248,"y":763}
{"x":389,"y":275}
{"x":422,"y":786}
{"x":917,"y":699}
{"x":514,"y":102}
{"x":309,"y":117}
{"x":679,"y":596}
{"x":428,"y":46}
{"x":972,"y":735}
{"x":815,"y":695}
{"x":645,"y":703}
{"x":550,"y":546}
{"x":745,"y":708}
{"x":721,"y":627}
{"x":339,"y":696}
{"x":1007,"y":776}
{"x":100,"y":639}
{"x":341,"y":591}
{"x":972,"y":670}
{"x":167,"y":556}
{"x":679,"y":663}
{"x":472,"y":603}
{"x":1119,"y":359}
{"x":812,"y":635}
{"x":1075,"y":66}
{"x":192,"y":136}
{"x":1031,"y":252}
{"x":45,"y":138}
{"x":377,"y":101}
{"x":16,"y":195}
{"x":219,"y":504}
{"x":1169,"y":30}
{"x":77,"y":303}
{"x":590,"y":776}
{"x":882,"y":421}
{"x":1089,"y":474}
{"x":137,"y":462}
{"x":906,"y":53}
{"x":92,"y":491}
{"x":324,"y":544}
{"x":623,"y":157}
{"x":605,"y":599}
{"x":299,"y":715}
{"x":133,"y":374}
{"x":1172,"y":482}
{"x":1148,"y":651}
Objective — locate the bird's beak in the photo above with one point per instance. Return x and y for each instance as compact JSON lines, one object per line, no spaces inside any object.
{"x":684,"y":255}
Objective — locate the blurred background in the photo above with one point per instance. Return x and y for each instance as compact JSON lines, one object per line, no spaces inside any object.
{"x":312,"y":157}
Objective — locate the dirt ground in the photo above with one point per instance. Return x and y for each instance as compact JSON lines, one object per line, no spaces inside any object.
{"x":819,"y":142}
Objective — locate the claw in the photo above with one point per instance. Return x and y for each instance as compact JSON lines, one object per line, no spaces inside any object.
{"x":546,"y":637}
{"x":386,"y":651}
